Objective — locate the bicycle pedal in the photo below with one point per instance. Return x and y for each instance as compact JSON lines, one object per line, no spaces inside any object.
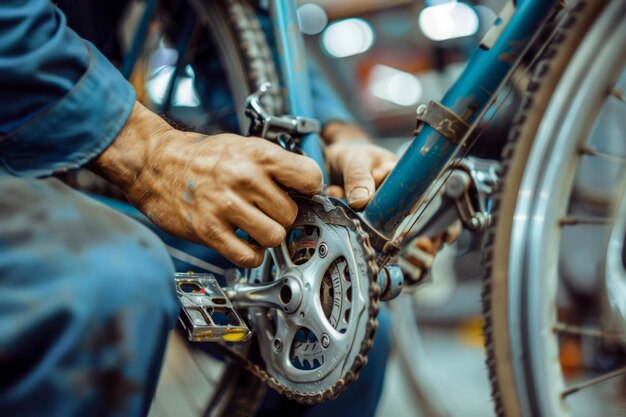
{"x":207,"y":314}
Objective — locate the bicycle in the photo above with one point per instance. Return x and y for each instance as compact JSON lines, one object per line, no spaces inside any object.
{"x":346,"y":287}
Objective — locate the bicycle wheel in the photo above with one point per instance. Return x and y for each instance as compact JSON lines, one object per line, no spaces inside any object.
{"x":562,"y":166}
{"x":194,"y":382}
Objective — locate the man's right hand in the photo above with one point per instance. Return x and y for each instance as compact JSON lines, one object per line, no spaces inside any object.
{"x":203,"y":188}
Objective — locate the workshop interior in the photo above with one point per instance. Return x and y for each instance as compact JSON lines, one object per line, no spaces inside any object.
{"x":168,"y":250}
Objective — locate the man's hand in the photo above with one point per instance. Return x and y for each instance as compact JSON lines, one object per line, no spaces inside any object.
{"x":202,"y":188}
{"x":357,"y":167}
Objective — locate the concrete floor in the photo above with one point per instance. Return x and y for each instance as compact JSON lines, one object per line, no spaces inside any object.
{"x":459,"y":378}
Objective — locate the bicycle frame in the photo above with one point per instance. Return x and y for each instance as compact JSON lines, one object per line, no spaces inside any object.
{"x":406,"y":188}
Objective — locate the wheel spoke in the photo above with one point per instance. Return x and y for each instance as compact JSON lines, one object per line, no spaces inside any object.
{"x":574,"y":221}
{"x":594,"y":381}
{"x":618,"y":94}
{"x":586,"y":150}
{"x":587,"y":331}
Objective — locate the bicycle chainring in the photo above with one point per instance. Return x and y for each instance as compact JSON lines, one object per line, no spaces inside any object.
{"x":312,"y":353}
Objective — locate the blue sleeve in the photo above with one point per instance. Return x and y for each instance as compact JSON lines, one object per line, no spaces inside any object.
{"x":327,"y":105}
{"x":61,"y":101}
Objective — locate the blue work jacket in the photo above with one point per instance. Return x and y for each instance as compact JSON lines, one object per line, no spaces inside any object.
{"x":61,"y":101}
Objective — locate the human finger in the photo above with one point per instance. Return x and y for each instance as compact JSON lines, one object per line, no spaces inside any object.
{"x":358,"y":182}
{"x":298,"y":172}
{"x":258,"y":225}
{"x":381,"y":172}
{"x":222,"y":238}
{"x":276,"y":203}
{"x":335,"y":191}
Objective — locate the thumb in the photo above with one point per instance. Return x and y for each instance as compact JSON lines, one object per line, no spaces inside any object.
{"x":358,"y":183}
{"x":335,"y":191}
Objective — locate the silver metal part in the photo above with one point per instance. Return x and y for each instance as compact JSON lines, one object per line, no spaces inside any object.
{"x":465,"y":193}
{"x":390,"y":281}
{"x":443,"y":120}
{"x":207,"y":314}
{"x":614,"y":269}
{"x":314,"y":348}
{"x":484,"y":173}
{"x":492,"y":36}
{"x":472,"y":183}
{"x":281,"y":129}
{"x":285,"y":294}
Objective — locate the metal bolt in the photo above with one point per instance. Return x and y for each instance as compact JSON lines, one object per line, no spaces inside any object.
{"x":325,"y":341}
{"x":323,"y":250}
{"x":278,"y":345}
{"x":421,"y":109}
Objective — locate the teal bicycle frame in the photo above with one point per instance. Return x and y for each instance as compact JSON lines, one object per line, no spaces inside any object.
{"x":430,"y":152}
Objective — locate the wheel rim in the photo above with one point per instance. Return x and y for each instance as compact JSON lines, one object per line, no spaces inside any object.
{"x":543,"y":201}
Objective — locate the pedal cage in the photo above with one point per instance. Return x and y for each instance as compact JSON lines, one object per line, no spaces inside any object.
{"x":207,"y":314}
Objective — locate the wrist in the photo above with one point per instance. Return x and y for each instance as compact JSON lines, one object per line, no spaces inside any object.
{"x":130,"y":153}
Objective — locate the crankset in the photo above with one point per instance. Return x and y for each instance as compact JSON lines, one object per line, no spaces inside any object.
{"x":315,"y":310}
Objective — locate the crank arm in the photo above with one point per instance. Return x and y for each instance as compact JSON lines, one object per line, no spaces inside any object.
{"x":285,"y":294}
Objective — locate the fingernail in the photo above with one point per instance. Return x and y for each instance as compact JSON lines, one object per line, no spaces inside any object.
{"x":358,"y":194}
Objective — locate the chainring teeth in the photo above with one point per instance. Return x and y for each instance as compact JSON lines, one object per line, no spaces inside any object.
{"x":340,"y":275}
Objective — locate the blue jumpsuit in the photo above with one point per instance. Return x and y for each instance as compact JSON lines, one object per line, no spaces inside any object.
{"x":86,"y":300}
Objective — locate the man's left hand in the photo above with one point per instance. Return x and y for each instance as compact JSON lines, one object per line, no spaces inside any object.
{"x":357,"y":167}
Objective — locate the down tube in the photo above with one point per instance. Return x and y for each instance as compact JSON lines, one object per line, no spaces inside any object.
{"x":295,"y":72}
{"x":430,"y":152}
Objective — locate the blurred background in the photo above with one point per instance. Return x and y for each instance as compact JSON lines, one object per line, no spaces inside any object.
{"x":385,"y":57}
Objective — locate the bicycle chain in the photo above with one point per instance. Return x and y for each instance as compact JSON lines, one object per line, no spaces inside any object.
{"x":361,"y":358}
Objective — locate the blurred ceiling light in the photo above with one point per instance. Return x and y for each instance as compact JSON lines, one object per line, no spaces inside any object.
{"x":435,"y":2}
{"x":448,"y":21}
{"x":396,"y":86}
{"x":348,"y":37}
{"x":312,"y":19}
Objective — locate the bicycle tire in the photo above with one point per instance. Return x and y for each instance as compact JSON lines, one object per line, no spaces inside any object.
{"x":510,"y":391}
{"x":244,"y":52}
{"x":238,"y":38}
